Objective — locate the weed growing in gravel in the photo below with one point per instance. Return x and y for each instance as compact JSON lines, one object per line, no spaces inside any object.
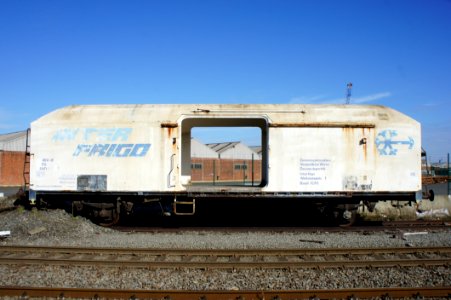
{"x":76,"y":219}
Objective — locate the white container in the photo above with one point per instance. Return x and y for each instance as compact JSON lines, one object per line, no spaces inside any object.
{"x":308,"y":150}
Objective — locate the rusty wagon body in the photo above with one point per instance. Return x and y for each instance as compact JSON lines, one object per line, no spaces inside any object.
{"x":125,"y":154}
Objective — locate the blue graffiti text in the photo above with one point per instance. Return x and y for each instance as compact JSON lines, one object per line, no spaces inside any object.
{"x":111,"y":150}
{"x":92,"y":134}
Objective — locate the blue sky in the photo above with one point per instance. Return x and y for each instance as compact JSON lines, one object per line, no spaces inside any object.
{"x":63,"y":52}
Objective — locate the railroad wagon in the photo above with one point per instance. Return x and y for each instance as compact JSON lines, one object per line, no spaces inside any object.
{"x":109,"y":158}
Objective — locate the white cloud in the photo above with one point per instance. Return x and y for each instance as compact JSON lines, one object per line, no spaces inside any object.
{"x":370,"y":98}
{"x":321,"y":99}
{"x":435,"y":104}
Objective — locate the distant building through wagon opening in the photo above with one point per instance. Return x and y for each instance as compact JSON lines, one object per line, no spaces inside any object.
{"x":225,"y":152}
{"x":226,"y":163}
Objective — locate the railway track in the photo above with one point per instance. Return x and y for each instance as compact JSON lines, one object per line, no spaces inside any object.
{"x":228,"y":259}
{"x":417,"y":224}
{"x":383,"y":293}
{"x":370,"y":226}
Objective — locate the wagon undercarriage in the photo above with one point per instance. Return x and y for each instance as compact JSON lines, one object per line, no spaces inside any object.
{"x":108,"y":209}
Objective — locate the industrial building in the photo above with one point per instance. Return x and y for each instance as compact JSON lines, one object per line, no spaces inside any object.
{"x":13,"y":159}
{"x":225,"y":163}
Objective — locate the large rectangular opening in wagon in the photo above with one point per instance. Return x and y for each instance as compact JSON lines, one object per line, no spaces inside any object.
{"x":224,"y":151}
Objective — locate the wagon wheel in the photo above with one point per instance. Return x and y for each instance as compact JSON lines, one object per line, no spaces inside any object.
{"x":115,"y":219}
{"x":115,"y":216}
{"x":350,"y":219}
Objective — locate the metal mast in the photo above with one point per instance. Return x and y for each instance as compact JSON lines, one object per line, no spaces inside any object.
{"x":348,"y":93}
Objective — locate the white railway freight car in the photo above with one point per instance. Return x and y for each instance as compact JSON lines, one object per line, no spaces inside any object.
{"x":125,"y":154}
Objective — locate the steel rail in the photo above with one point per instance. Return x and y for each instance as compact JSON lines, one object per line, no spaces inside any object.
{"x":228,"y":259}
{"x":416,"y":224}
{"x":384,"y":293}
{"x":367,"y":226}
{"x":189,"y":251}
{"x":235,"y":264}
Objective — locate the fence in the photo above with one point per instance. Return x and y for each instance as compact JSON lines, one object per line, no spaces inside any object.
{"x":226,"y":171}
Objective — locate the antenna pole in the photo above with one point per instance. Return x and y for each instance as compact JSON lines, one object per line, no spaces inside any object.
{"x":348,"y":93}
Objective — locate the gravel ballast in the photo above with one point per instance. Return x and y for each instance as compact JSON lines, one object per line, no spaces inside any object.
{"x":57,"y":228}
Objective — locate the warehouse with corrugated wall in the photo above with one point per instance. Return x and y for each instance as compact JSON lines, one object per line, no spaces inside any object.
{"x":12,"y":158}
{"x":225,"y":163}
